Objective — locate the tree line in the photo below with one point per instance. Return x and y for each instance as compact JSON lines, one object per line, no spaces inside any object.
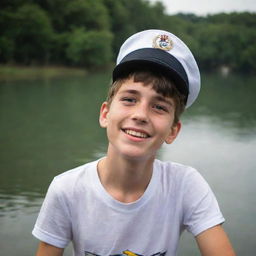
{"x":88,"y":33}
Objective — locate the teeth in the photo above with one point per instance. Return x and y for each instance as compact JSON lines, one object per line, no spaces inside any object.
{"x":136,"y":134}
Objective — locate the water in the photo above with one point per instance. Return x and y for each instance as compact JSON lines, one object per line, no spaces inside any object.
{"x":49,"y":126}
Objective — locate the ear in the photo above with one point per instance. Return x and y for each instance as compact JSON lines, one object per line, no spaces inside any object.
{"x":174,"y":131}
{"x":104,"y":115}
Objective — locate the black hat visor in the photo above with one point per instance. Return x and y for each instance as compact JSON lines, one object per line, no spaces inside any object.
{"x":156,"y":60}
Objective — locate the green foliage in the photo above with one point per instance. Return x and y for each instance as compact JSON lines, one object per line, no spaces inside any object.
{"x":33,"y":35}
{"x":119,"y":22}
{"x":6,"y":49}
{"x":144,"y":16}
{"x":246,"y":19}
{"x":90,"y":49}
{"x":68,"y":14}
{"x":90,"y":14}
{"x":13,"y":4}
{"x":128,"y":17}
{"x":56,"y":10}
{"x":58,"y":48}
{"x":225,"y":45}
{"x":248,"y":53}
{"x":27,"y":34}
{"x":90,"y":32}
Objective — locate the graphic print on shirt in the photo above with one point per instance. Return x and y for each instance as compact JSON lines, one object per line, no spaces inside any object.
{"x":126,"y":253}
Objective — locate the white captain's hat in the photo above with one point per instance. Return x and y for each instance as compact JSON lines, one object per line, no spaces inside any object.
{"x":162,"y":52}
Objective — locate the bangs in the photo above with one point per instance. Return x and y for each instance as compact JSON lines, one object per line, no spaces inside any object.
{"x":159,"y":83}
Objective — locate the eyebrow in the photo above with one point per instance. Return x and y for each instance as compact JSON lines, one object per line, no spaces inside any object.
{"x":131,"y":91}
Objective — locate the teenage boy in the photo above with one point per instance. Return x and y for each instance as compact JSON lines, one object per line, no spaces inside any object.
{"x":129,"y":203}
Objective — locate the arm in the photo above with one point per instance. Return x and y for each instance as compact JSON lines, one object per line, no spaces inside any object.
{"x":214,"y":242}
{"x":45,"y":249}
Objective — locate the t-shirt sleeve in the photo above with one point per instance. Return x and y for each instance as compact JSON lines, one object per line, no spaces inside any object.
{"x":201,"y":209}
{"x":53,"y":224}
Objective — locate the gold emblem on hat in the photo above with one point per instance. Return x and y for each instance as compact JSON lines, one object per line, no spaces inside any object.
{"x":163,"y":42}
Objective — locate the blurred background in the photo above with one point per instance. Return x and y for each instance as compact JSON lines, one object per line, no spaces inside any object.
{"x":55,"y":67}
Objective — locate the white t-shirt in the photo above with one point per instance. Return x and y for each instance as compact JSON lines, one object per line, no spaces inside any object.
{"x":77,"y":208}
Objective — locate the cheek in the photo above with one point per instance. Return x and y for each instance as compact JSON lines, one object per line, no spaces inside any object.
{"x":118,"y":112}
{"x":163,"y":126}
{"x":164,"y":130}
{"x":114,"y":120}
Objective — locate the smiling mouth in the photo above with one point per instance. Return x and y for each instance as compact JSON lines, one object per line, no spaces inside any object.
{"x":136,"y":133}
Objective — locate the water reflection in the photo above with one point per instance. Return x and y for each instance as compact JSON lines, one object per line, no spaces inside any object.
{"x":49,"y":126}
{"x":227,"y":100}
{"x":46,"y":128}
{"x":24,"y":202}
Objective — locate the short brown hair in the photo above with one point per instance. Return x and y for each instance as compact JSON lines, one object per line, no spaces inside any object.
{"x":160,"y":84}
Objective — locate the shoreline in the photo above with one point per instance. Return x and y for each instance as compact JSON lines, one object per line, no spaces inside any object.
{"x":16,"y":72}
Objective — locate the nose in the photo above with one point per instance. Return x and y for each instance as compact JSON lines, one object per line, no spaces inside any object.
{"x":140,"y":113}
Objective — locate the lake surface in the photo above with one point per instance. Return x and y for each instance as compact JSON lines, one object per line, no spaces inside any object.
{"x":49,"y":126}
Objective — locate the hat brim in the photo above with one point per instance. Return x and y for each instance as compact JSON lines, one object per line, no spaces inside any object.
{"x":154,"y":60}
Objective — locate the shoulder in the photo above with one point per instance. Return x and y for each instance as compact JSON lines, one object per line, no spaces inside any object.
{"x":193,"y":196}
{"x":77,"y":172}
{"x":182,"y":180}
{"x":177,"y":171}
{"x":74,"y":179}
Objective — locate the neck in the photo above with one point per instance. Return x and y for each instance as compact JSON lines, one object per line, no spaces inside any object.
{"x":123,"y":178}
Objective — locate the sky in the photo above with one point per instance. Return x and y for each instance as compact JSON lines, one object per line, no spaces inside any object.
{"x":204,"y":7}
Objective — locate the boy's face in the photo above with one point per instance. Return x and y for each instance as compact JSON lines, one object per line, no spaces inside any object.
{"x":138,"y":121}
